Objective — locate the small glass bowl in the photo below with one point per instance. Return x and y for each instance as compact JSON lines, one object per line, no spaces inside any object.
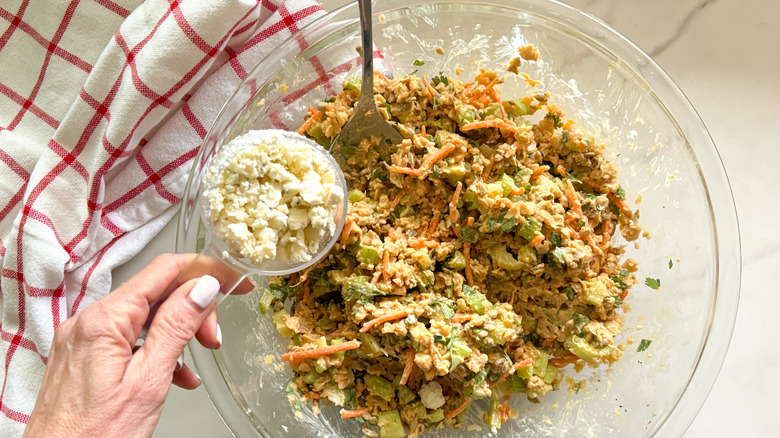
{"x":659,"y":145}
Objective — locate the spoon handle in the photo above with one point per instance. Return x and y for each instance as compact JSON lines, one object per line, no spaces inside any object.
{"x":367,"y":87}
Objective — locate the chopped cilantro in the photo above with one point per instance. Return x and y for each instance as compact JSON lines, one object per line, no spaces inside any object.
{"x":418,"y":62}
{"x":623,"y":272}
{"x":377,"y":173}
{"x":436,"y":172}
{"x":445,"y":308}
{"x":577,"y":387}
{"x":620,"y":193}
{"x":614,"y":209}
{"x":618,"y":301}
{"x":643,"y":344}
{"x":469,"y":234}
{"x":556,"y":120}
{"x":508,"y":225}
{"x":569,"y":292}
{"x":579,"y":321}
{"x":620,"y":283}
{"x":653,"y":283}
{"x":670,"y":264}
{"x":439,"y":338}
{"x":580,"y":223}
{"x":573,"y":178}
{"x":479,"y":378}
{"x":282,"y":291}
{"x":441,"y":79}
{"x":555,"y":240}
{"x":491,"y":224}
{"x":565,"y":137}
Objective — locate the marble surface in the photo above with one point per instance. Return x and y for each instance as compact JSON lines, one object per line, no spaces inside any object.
{"x":723,"y":55}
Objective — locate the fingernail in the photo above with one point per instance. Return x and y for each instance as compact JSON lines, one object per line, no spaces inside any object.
{"x":219,"y":335}
{"x":179,"y":362}
{"x":204,"y":291}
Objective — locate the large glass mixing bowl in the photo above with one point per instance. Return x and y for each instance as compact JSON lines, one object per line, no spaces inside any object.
{"x":654,"y":137}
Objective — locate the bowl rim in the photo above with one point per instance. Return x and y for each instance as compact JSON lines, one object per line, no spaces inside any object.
{"x":726,"y":231}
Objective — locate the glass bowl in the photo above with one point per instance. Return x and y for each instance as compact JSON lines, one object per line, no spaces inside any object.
{"x":658,"y":143}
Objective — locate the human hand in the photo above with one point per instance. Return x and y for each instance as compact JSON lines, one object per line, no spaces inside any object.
{"x":97,"y":383}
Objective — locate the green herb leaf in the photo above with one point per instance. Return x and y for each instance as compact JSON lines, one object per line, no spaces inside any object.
{"x":577,"y":387}
{"x":569,"y":292}
{"x":559,"y":254}
{"x":418,"y":62}
{"x":643,"y":344}
{"x":670,"y":264}
{"x":479,"y":378}
{"x":491,"y":224}
{"x":445,"y":308}
{"x":653,"y":283}
{"x":620,"y":193}
{"x":618,"y":301}
{"x":508,"y":225}
{"x":623,"y":272}
{"x":620,"y":283}
{"x":441,"y":79}
{"x":435,"y":172}
{"x":579,"y":320}
{"x":469,"y":234}
{"x":377,"y":173}
{"x":555,"y":240}
{"x":565,"y":137}
{"x":439,"y":338}
{"x":573,"y":178}
{"x":282,"y":291}
{"x":556,"y":120}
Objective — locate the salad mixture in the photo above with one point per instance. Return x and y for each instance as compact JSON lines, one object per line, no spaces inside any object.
{"x":476,"y":263}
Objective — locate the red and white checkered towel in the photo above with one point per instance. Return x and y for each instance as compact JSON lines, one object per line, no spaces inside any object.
{"x":103,"y":104}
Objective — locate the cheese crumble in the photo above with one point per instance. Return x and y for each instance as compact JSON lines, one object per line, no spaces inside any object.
{"x":275,"y":199}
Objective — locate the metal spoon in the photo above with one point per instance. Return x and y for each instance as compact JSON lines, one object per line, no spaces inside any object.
{"x":366,"y":120}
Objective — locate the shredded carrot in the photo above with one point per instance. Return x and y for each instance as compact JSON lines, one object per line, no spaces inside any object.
{"x":467,"y":256}
{"x":311,"y":395}
{"x":480,"y":93}
{"x":392,"y":316}
{"x":458,"y":410}
{"x":345,"y":232}
{"x":540,"y":170}
{"x":454,"y":202}
{"x":408,"y":366}
{"x":617,"y":201}
{"x":528,"y":80}
{"x":537,"y":240}
{"x":494,"y":123}
{"x":518,"y":191}
{"x":422,"y":130}
{"x":470,"y":221}
{"x":319,"y":352}
{"x":398,"y":198}
{"x":422,"y":243}
{"x":346,"y":413}
{"x":434,"y":220}
{"x":382,"y":77}
{"x":559,"y":362}
{"x":624,"y":294}
{"x":385,"y":264}
{"x":574,"y":200}
{"x":501,"y":107}
{"x":504,"y":412}
{"x":310,"y":121}
{"x":515,"y":367}
{"x":429,"y":89}
{"x":606,"y":235}
{"x":430,"y":159}
{"x":486,"y":170}
{"x":457,"y":319}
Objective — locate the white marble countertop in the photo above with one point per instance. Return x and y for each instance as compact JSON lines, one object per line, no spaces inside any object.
{"x":723,"y":54}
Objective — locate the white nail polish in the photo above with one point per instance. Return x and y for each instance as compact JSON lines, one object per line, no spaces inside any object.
{"x":204,"y":291}
{"x":219,"y":335}
{"x":179,"y":362}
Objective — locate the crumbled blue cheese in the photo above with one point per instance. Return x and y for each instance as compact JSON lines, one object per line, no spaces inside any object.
{"x":276,"y":199}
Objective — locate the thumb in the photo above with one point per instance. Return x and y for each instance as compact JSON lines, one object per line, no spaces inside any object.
{"x":176,"y":322}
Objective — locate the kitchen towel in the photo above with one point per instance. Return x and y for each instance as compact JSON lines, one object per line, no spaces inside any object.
{"x":103,"y":105}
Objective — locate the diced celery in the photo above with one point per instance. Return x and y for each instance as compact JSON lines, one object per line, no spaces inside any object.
{"x":368,"y":255}
{"x":436,"y":416}
{"x":390,"y":425}
{"x":471,"y":199}
{"x":581,"y":348}
{"x":517,"y":382}
{"x":453,"y":172}
{"x":517,"y":108}
{"x":458,"y":352}
{"x":315,"y":132}
{"x":525,"y":372}
{"x":507,"y":184}
{"x":311,"y":377}
{"x":465,"y":114}
{"x":486,"y":150}
{"x":380,"y":386}
{"x":280,"y":322}
{"x":405,"y":211}
{"x":523,"y":176}
{"x":265,"y":301}
{"x":531,"y":227}
{"x":594,"y":292}
{"x":488,"y":110}
{"x":457,"y":261}
{"x":355,"y":195}
{"x":326,"y":324}
{"x":475,"y":299}
{"x":492,"y":418}
{"x":370,"y":345}
{"x":505,"y":260}
{"x":422,"y":258}
{"x":405,"y":395}
{"x":540,"y":363}
{"x":352,"y":84}
{"x":549,"y":374}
